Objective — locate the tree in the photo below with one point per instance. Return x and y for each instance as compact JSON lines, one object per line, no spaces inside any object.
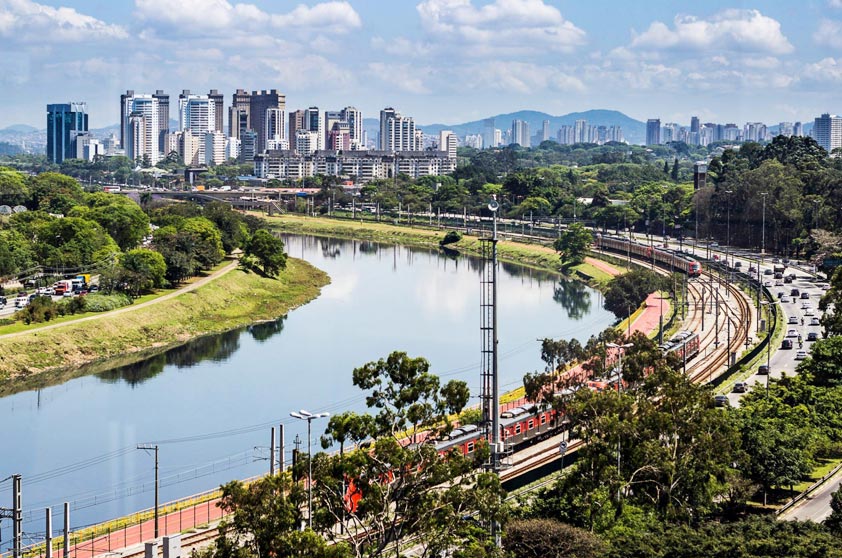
{"x":55,"y":193}
{"x":269,"y":251}
{"x":395,"y":486}
{"x":674,"y":172}
{"x":546,"y":538}
{"x":825,"y":362}
{"x":124,"y":220}
{"x":573,"y":244}
{"x":207,"y":241}
{"x":13,"y":188}
{"x":145,"y":268}
{"x":834,"y":520}
{"x":628,"y":291}
{"x":831,"y":319}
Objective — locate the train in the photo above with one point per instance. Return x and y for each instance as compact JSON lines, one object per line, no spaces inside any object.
{"x":663,"y":256}
{"x":685,"y":344}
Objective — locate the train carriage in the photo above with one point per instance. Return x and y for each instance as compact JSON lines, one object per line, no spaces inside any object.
{"x":665,"y":257}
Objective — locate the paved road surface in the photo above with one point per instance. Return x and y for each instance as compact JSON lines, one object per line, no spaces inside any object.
{"x":815,"y":507}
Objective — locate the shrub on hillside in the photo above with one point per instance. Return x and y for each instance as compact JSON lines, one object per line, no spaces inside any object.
{"x":105,"y":302}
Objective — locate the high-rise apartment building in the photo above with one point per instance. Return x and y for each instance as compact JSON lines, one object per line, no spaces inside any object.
{"x":331,"y":117}
{"x":219,"y":110}
{"x":64,"y":123}
{"x":579,"y":128}
{"x":354,"y":118}
{"x":262,"y":101}
{"x":163,"y":117}
{"x":488,"y":136}
{"x":397,"y":132}
{"x":653,"y":131}
{"x":798,"y":130}
{"x":827,"y":131}
{"x":214,"y":148}
{"x":141,"y":115}
{"x":520,"y":133}
{"x":275,"y":126}
{"x":785,"y":129}
{"x":238,"y":113}
{"x":196,"y":113}
{"x":339,"y":137}
{"x":448,"y":143}
{"x":545,"y":130}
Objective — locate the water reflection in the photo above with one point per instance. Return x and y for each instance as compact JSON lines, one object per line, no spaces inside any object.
{"x":213,"y":348}
{"x":573,"y":297}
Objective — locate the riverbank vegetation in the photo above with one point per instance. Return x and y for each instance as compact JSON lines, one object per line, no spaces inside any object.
{"x":235,"y":299}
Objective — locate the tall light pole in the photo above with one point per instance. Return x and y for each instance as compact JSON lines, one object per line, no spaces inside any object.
{"x":620,"y":349}
{"x":155,"y":449}
{"x":309,"y":417}
{"x":763,"y":242}
{"x":728,"y":229}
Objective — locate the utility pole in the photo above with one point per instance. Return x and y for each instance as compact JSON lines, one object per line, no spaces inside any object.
{"x":16,"y":515}
{"x":281,"y":448}
{"x":155,"y":448}
{"x":272,"y":454}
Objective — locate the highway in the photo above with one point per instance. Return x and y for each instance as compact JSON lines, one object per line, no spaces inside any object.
{"x":816,"y":506}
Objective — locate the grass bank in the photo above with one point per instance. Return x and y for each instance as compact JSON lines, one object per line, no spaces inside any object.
{"x":232,"y":300}
{"x":532,"y":255}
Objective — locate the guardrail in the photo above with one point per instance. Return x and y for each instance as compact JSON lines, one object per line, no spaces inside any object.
{"x":809,"y":490}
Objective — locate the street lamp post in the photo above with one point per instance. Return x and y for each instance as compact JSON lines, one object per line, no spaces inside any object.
{"x":768,"y":346}
{"x":728,"y":230}
{"x":309,"y":417}
{"x":763,"y":241}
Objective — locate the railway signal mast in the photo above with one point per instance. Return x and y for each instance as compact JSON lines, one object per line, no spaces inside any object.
{"x":488,"y":326}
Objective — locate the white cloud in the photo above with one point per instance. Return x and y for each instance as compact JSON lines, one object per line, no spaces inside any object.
{"x":192,"y":15}
{"x":520,"y":77}
{"x":829,"y":33}
{"x":835,"y":3}
{"x":515,"y":25}
{"x":728,"y":30}
{"x":404,"y":77}
{"x":25,"y":20}
{"x":827,"y":69}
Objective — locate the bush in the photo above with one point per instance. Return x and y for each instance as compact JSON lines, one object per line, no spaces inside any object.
{"x":450,"y":238}
{"x":41,"y":309}
{"x":105,"y":303}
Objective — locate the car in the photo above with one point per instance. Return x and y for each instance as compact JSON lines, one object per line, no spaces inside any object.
{"x":785,"y":261}
{"x":93,"y":289}
{"x":763,"y":370}
{"x":805,"y":295}
{"x":752,"y":269}
{"x":786,"y":344}
{"x":815,"y":322}
{"x":767,"y":283}
{"x":714,"y":245}
{"x":792,"y":320}
{"x":721,"y":401}
{"x":740,"y":387}
{"x":791,"y":333}
{"x":767,"y":272}
{"x":738,"y":265}
{"x":806,"y":304}
{"x":776,"y":260}
{"x":788,"y":279}
{"x":812,"y":336}
{"x":800,"y":355}
{"x":780,"y":294}
{"x":795,"y":292}
{"x":67,"y":294}
{"x":785,"y":298}
{"x":825,"y":287}
{"x":809,"y":312}
{"x":779,"y":283}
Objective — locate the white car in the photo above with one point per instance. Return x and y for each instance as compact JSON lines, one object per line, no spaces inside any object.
{"x":806,"y":304}
{"x":791,"y":333}
{"x":779,"y":283}
{"x":785,"y":298}
{"x":800,"y":355}
{"x":809,"y":312}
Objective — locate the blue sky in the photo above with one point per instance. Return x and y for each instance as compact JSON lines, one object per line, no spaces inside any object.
{"x":438,"y":60}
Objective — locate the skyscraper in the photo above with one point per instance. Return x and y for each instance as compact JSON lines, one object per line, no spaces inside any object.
{"x":354,"y":118}
{"x":448,"y":143}
{"x":163,"y":117}
{"x":218,"y":101}
{"x":653,"y":131}
{"x":64,"y":123}
{"x":196,"y":113}
{"x":249,"y":112}
{"x":488,"y":136}
{"x":313,"y":122}
{"x":520,"y":133}
{"x":296,"y":122}
{"x":261,"y":101}
{"x":545,"y":130}
{"x":238,"y":113}
{"x":141,"y":115}
{"x":827,"y":131}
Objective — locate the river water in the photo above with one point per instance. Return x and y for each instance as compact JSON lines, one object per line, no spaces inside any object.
{"x":209,"y":405}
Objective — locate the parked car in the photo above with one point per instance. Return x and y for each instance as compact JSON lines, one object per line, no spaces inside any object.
{"x":721,"y":401}
{"x":812,"y":336}
{"x":800,"y":355}
{"x":740,"y":387}
{"x":786,"y":344}
{"x":763,"y":370}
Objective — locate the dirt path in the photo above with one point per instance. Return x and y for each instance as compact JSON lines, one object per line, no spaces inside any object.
{"x":186,"y":289}
{"x":603,"y":266}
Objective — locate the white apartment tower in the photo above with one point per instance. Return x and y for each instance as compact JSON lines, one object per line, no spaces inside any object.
{"x":141,"y":128}
{"x":196,"y":113}
{"x":397,"y":132}
{"x":827,"y":131}
{"x":354,"y":118}
{"x":313,"y":122}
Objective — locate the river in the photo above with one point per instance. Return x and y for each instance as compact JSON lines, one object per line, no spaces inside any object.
{"x":209,"y":405}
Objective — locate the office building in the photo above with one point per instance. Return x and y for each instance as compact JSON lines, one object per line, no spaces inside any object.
{"x":339,"y":137}
{"x":239,"y":113}
{"x":827,"y":131}
{"x":520,"y":133}
{"x":798,"y":130}
{"x":261,"y":102}
{"x":88,"y":148}
{"x":296,"y":122}
{"x":163,"y":116}
{"x":249,"y":111}
{"x":64,"y":123}
{"x":248,"y":145}
{"x":488,"y":133}
{"x":275,"y":126}
{"x":214,"y":151}
{"x":354,"y":118}
{"x":314,"y":122}
{"x":653,"y":131}
{"x":218,"y":101}
{"x":145,"y":107}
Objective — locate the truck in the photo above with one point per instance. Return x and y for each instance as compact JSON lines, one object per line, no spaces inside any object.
{"x":63,"y":286}
{"x":85,"y":278}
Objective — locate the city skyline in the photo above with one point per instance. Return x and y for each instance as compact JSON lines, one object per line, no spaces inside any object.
{"x":446,"y":61}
